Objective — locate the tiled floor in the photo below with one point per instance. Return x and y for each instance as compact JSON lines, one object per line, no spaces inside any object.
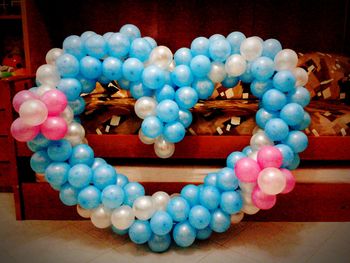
{"x":79,"y":241}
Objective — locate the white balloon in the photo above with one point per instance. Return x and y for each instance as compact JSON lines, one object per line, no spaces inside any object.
{"x":52,"y":55}
{"x":101,"y":217}
{"x":286,"y":59}
{"x":75,"y":133}
{"x":160,"y":200}
{"x":257,"y":129}
{"x":259,"y":140}
{"x":236,"y":218}
{"x":235,"y":65}
{"x":33,"y":112}
{"x":163,"y":148}
{"x":217,"y":72}
{"x":301,"y":76}
{"x":247,"y":198}
{"x":172,"y":66}
{"x":123,"y":217}
{"x":161,"y":56}
{"x":253,"y":155}
{"x":85,"y":213}
{"x":48,"y":74}
{"x":144,"y":139}
{"x":250,"y":209}
{"x":174,"y":195}
{"x":67,"y":114}
{"x":145,"y":106}
{"x":143,"y":207}
{"x":251,"y":48}
{"x":246,"y":187}
{"x":43,"y":89}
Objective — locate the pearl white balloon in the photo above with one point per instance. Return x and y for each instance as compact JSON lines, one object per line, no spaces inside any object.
{"x":250,"y":209}
{"x":235,"y":65}
{"x":67,"y":114}
{"x":75,"y":133}
{"x":217,"y":72}
{"x":251,"y":48}
{"x":122,"y":217}
{"x":144,"y":139}
{"x":253,"y":155}
{"x":172,"y":66}
{"x":271,"y":181}
{"x":33,"y":112}
{"x":236,"y":218}
{"x":101,"y":217}
{"x":52,"y":55}
{"x":85,"y":213}
{"x":48,"y":74}
{"x":160,"y":200}
{"x":145,"y":106}
{"x":259,"y":140}
{"x":143,"y":207}
{"x":247,"y":198}
{"x":43,"y":89}
{"x":301,"y":76}
{"x":161,"y":56}
{"x":174,"y":195}
{"x":246,"y":187}
{"x":257,"y":129}
{"x":163,"y":148}
{"x":286,"y":59}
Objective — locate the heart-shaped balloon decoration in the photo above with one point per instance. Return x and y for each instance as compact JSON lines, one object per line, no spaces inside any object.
{"x":166,"y":88}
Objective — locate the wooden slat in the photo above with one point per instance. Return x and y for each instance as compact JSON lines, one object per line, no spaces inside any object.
{"x":4,"y":125}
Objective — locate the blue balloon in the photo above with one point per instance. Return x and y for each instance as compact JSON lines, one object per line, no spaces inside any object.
{"x":151,"y":41}
{"x":68,"y":195}
{"x":287,"y":153}
{"x":107,"y":35}
{"x":235,"y":39}
{"x":226,"y":179}
{"x":112,"y":196}
{"x":59,"y":151}
{"x":77,"y":105}
{"x":132,"y":69}
{"x":96,"y":46}
{"x":167,"y":110}
{"x":200,"y":66}
{"x":86,"y":35}
{"x":178,"y":208}
{"x":204,"y":234}
{"x":82,"y":153}
{"x":210,"y":179}
{"x":41,"y":141}
{"x":219,"y":49}
{"x":67,"y":65}
{"x":259,"y":87}
{"x":297,"y":141}
{"x":185,"y":117}
{"x":159,"y":243}
{"x":231,"y":202}
{"x":247,"y":150}
{"x":80,"y":175}
{"x":199,"y":217}
{"x":89,"y":197}
{"x":74,"y":45}
{"x":167,"y":92}
{"x":140,"y":49}
{"x":120,"y":232}
{"x":183,"y":56}
{"x":174,"y":132}
{"x":153,"y":77}
{"x":56,"y":173}
{"x":299,"y":95}
{"x":186,"y":97}
{"x":71,"y":87}
{"x":184,"y":234}
{"x":304,"y":123}
{"x":140,"y":232}
{"x":276,"y":129}
{"x":118,"y":45}
{"x":90,"y":67}
{"x":209,"y":197}
{"x":263,"y":68}
{"x":161,"y":223}
{"x":182,"y":76}
{"x":103,"y":80}
{"x":131,"y":31}
{"x":216,"y":37}
{"x":292,"y":114}
{"x":295,"y":163}
{"x":98,"y":162}
{"x":247,"y":76}
{"x":40,"y":161}
{"x":284,"y":81}
{"x":132,"y":192}
{"x":33,"y":146}
{"x":200,"y":46}
{"x":125,"y":84}
{"x":263,"y":116}
{"x":220,"y":221}
{"x":191,"y":193}
{"x":122,"y":180}
{"x":274,"y":100}
{"x":233,"y":158}
{"x":204,"y":88}
{"x":152,"y":127}
{"x":138,"y":90}
{"x":87,"y":85}
{"x":104,"y":175}
{"x":112,"y":68}
{"x":271,"y":47}
{"x":230,"y":82}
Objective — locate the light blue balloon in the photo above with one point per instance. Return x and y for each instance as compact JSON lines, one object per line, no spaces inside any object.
{"x":161,"y":223}
{"x":199,"y":217}
{"x":96,"y":46}
{"x":86,"y":35}
{"x":274,"y":100}
{"x":80,"y":175}
{"x":112,"y":68}
{"x":120,"y":232}
{"x":287,"y":154}
{"x":185,"y":117}
{"x":82,"y":153}
{"x":182,"y":76}
{"x":112,"y":196}
{"x":131,"y":31}
{"x":122,"y":180}
{"x":186,"y":97}
{"x":216,"y":37}
{"x":200,"y":66}
{"x":140,"y":49}
{"x":138,"y":90}
{"x":89,"y":197}
{"x":271,"y":47}
{"x":209,"y":197}
{"x":33,"y":146}
{"x":304,"y":124}
{"x":231,"y":202}
{"x":90,"y":67}
{"x":87,"y":85}
{"x":276,"y":129}
{"x":167,"y":110}
{"x":204,"y":88}
{"x":220,"y":221}
{"x":230,"y":82}
{"x":71,"y":87}
{"x":183,"y":56}
{"x":295,"y":163}
{"x":219,"y":49}
{"x":40,"y":161}
{"x":167,"y":92}
{"x":67,"y":65}
{"x":204,"y":234}
{"x":226,"y":179}
{"x":152,"y":126}
{"x":259,"y":87}
{"x":233,"y":158}
{"x":174,"y":132}
{"x":299,"y":95}
{"x":297,"y":141}
{"x":247,"y":76}
{"x":178,"y":208}
{"x":140,"y":232}
{"x":263,"y":116}
{"x":118,"y":45}
{"x":247,"y":150}
{"x":74,"y":45}
{"x":200,"y":46}
{"x":41,"y":141}
{"x":153,"y":77}
{"x":151,"y":41}
{"x":56,"y":173}
{"x":132,"y":192}
{"x":104,"y":175}
{"x":263,"y":68}
{"x":210,"y":179}
{"x":68,"y":195}
{"x":191,"y":193}
{"x":184,"y":234}
{"x":235,"y":39}
{"x":60,"y":150}
{"x":98,"y":162}
{"x":107,"y":35}
{"x":292,"y":114}
{"x":77,"y":105}
{"x":125,"y":84}
{"x":284,"y":81}
{"x":159,"y":243}
{"x":132,"y":69}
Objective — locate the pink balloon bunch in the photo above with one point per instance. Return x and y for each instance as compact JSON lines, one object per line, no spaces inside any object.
{"x":267,"y":173}
{"x":39,"y":114}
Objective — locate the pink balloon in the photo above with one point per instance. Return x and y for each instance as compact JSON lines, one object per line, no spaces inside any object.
{"x":247,"y":170}
{"x":290,"y":181}
{"x":271,"y":181}
{"x":23,"y":132}
{"x":21,"y":97}
{"x":55,"y":101}
{"x":269,"y":156}
{"x":262,"y":200}
{"x":54,"y":128}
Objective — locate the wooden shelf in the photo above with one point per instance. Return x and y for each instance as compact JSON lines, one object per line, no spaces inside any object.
{"x":10,"y":17}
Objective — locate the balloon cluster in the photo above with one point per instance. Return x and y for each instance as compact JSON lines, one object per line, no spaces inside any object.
{"x":166,"y":88}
